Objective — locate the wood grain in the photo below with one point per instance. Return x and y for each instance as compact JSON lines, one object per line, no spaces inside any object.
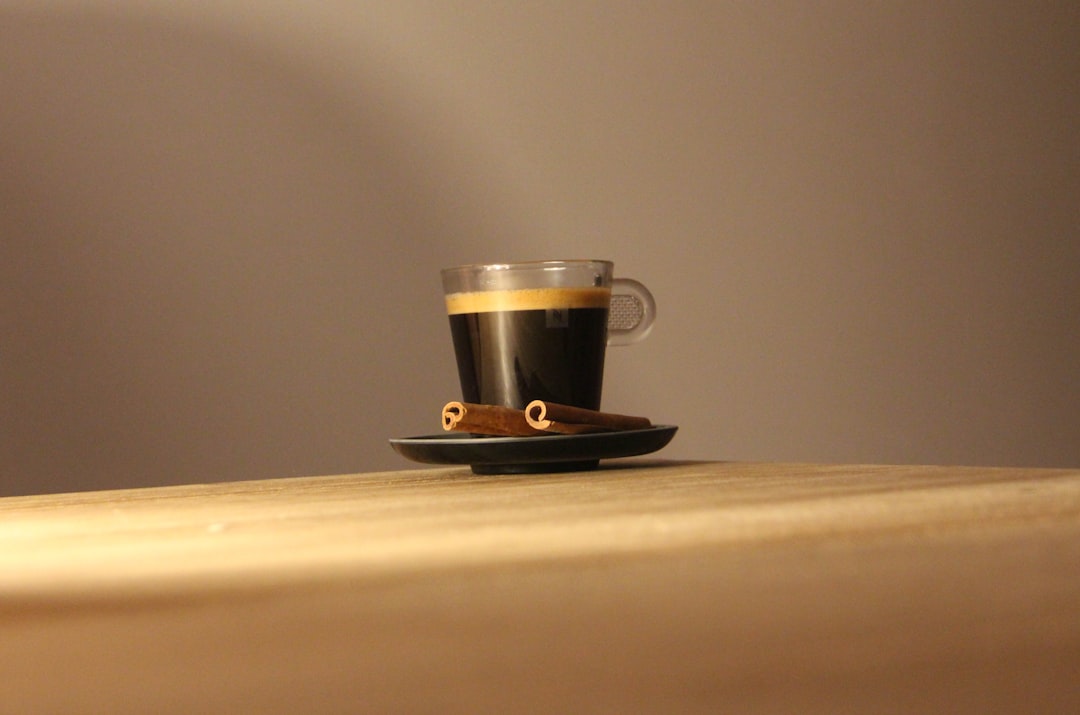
{"x":660,"y":587}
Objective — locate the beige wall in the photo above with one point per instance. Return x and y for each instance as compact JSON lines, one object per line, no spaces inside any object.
{"x":221,"y":225}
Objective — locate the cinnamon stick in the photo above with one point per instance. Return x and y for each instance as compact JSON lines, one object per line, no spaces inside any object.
{"x":565,"y":419}
{"x":493,"y":420}
{"x":537,"y":418}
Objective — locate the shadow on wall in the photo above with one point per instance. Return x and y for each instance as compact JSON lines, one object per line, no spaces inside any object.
{"x":211,"y":267}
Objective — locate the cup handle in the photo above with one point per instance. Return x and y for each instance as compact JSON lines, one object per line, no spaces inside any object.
{"x":632,"y":312}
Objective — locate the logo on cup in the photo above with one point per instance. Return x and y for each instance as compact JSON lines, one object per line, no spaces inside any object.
{"x":557,"y":318}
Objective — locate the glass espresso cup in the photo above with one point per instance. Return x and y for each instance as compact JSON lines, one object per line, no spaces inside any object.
{"x":539,"y":330}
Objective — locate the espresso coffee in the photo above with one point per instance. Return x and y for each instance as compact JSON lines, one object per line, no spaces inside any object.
{"x":515,"y":346}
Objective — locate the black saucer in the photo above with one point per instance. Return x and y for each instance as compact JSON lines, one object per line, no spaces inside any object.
{"x":530,"y":455}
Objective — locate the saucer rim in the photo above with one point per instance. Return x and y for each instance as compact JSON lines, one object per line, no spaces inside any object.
{"x":496,"y":450}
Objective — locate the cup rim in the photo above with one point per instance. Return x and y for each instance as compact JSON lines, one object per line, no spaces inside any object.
{"x":525,"y":265}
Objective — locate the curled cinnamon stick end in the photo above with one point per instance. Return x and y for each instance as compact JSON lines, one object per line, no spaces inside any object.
{"x":564,"y":419}
{"x":493,"y":420}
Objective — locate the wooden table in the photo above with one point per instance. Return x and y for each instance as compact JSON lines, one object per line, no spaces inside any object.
{"x":644,"y":586}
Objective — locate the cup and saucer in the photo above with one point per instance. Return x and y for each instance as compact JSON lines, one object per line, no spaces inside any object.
{"x":538,"y":328}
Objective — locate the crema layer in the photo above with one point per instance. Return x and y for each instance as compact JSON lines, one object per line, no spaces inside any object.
{"x":527,"y":299}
